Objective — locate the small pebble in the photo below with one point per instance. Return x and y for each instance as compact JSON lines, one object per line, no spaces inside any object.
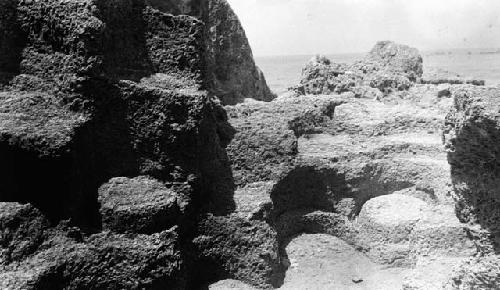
{"x":357,"y":280}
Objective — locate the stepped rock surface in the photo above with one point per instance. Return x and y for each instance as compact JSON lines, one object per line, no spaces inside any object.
{"x":350,"y":170}
{"x":113,"y":162}
{"x":120,"y":167}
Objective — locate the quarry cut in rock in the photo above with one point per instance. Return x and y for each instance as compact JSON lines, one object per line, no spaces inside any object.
{"x":121,"y":169}
{"x":371,"y":171}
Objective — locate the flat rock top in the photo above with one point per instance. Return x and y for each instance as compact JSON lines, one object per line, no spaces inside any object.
{"x":36,"y":122}
{"x":393,"y":209}
{"x":122,"y":193}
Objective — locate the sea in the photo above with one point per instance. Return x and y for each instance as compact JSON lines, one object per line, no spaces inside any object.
{"x":283,"y":72}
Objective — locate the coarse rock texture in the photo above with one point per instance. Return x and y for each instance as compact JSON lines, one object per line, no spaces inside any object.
{"x":233,"y":71}
{"x":265,"y":143}
{"x":236,"y":248}
{"x":22,"y":228}
{"x":127,"y":40}
{"x":103,"y":261}
{"x":139,"y":205}
{"x":477,"y":273}
{"x":471,"y":135}
{"x":120,"y":169}
{"x":385,"y":224}
{"x":368,"y":177}
{"x":230,"y":73}
{"x":388,"y":67}
{"x":114,"y":172}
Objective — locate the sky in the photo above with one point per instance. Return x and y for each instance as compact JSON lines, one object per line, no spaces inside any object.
{"x":303,"y":27}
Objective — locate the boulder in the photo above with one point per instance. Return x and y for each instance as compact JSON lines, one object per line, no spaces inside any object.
{"x":397,"y":58}
{"x":138,"y":205}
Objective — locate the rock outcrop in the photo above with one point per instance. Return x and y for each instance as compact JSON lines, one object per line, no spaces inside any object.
{"x":355,"y":153}
{"x":120,"y":169}
{"x":387,"y":68}
{"x":114,"y":172}
{"x":471,"y":136}
{"x":230,"y":61}
{"x":231,"y":73}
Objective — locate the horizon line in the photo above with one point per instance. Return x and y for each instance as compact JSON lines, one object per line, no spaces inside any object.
{"x":363,"y":52}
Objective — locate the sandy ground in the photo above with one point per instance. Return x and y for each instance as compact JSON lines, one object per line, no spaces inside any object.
{"x":319,"y":261}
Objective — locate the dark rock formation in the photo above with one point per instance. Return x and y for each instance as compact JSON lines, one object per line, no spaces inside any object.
{"x":139,"y":205}
{"x":472,"y":135}
{"x":108,"y":121}
{"x":232,"y":247}
{"x":231,"y":73}
{"x":388,"y":67}
{"x":234,"y":74}
{"x":104,"y":261}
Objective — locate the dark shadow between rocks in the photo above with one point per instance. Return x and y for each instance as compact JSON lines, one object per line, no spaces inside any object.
{"x":61,"y":187}
{"x":301,"y":194}
{"x":309,"y":187}
{"x":475,"y":171}
{"x":12,"y":41}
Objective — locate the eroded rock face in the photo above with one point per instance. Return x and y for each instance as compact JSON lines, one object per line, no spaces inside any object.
{"x":388,"y":67}
{"x":265,"y":143}
{"x":234,"y":74}
{"x":471,"y":136}
{"x":108,"y":122}
{"x":233,"y":247}
{"x":231,"y":73}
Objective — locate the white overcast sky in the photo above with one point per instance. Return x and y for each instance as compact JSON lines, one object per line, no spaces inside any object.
{"x":287,"y":27}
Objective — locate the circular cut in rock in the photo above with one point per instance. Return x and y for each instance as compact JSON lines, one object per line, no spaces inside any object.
{"x":392,"y":210}
{"x":385,"y":224}
{"x":138,"y":205}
